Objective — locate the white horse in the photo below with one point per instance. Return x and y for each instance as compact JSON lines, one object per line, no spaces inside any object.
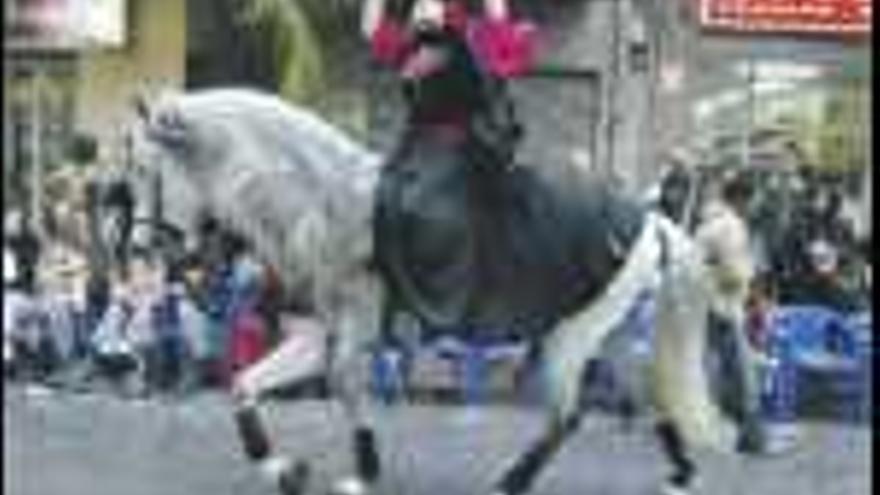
{"x":302,"y":193}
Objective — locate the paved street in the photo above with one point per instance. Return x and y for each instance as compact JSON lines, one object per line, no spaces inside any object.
{"x":78,"y":444}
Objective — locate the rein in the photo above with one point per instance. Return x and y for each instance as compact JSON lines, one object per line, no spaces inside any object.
{"x":689,"y":212}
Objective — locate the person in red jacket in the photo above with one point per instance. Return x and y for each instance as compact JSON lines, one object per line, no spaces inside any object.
{"x":504,"y":45}
{"x":453,"y":66}
{"x":448,"y":175}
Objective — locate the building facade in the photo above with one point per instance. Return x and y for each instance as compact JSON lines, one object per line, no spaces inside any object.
{"x":784,"y":68}
{"x":69,"y":71}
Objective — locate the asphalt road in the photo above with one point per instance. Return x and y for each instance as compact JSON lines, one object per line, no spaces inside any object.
{"x":88,"y":444}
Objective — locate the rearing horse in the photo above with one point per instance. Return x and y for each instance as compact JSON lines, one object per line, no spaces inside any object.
{"x":304,"y":195}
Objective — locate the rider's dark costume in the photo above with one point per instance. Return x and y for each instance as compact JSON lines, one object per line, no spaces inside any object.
{"x":463,"y":236}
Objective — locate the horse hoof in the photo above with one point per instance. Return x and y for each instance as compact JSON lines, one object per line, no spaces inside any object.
{"x":751,"y":444}
{"x":294,"y":479}
{"x":350,"y":486}
{"x":674,"y":489}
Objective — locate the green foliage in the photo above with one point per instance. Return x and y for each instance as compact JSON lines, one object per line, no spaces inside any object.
{"x":307,"y":40}
{"x":83,"y":149}
{"x":856,"y":67}
{"x":296,"y":50}
{"x":843,"y":134}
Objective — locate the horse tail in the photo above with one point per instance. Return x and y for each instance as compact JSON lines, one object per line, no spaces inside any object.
{"x":680,"y":379}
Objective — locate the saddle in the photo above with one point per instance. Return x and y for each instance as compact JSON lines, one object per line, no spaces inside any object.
{"x":463,"y":242}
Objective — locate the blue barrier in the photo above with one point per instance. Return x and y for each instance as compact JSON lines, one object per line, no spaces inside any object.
{"x":807,"y":342}
{"x":471,"y":359}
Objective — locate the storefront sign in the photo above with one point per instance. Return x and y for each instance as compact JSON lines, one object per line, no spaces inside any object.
{"x":64,"y":24}
{"x":788,"y":16}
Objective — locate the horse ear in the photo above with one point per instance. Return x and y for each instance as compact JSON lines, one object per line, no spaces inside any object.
{"x":169,"y":126}
{"x":141,"y":107}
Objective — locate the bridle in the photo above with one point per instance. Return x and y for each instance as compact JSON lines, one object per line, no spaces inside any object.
{"x":119,"y":241}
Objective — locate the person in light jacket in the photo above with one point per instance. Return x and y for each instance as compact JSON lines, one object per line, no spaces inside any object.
{"x":723,"y":236}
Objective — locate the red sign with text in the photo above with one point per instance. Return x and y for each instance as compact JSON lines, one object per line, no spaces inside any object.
{"x":788,"y":16}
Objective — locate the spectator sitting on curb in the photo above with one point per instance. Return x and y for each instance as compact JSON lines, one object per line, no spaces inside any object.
{"x":151,"y":342}
{"x":113,"y":351}
{"x":62,"y":276}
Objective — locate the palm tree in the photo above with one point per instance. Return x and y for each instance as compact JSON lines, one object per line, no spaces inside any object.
{"x":303,"y":39}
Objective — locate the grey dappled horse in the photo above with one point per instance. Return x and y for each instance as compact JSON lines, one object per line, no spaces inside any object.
{"x":304,"y":195}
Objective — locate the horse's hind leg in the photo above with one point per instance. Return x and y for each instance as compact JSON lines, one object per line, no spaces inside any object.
{"x":565,"y":359}
{"x":291,"y":478}
{"x":518,"y":478}
{"x":566,"y":352}
{"x":566,"y":355}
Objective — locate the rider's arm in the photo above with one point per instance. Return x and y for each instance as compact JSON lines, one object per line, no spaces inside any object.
{"x":387,"y":36}
{"x":371,"y":17}
{"x":505,"y":44}
{"x":495,"y":9}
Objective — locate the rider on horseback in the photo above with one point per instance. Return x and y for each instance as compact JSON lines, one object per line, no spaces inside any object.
{"x":453,"y":68}
{"x":446,"y":182}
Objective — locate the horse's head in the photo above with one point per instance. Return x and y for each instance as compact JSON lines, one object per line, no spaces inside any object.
{"x":265,"y":170}
{"x":167,"y":155}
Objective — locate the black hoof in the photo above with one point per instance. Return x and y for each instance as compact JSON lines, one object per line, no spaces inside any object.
{"x":294,"y":480}
{"x":752,"y":443}
{"x":352,"y":486}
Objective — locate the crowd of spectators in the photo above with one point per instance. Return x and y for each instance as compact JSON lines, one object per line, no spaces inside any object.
{"x":146,"y":327}
{"x":810,"y":244}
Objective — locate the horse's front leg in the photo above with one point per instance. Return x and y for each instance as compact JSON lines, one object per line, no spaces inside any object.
{"x":357,"y":323}
{"x":299,"y":357}
{"x":567,"y":350}
{"x":349,"y":384}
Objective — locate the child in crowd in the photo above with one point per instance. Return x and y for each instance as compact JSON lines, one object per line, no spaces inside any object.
{"x":21,"y":333}
{"x":62,"y":277}
{"x":194,"y":328}
{"x":156,"y":325}
{"x":126,"y":342}
{"x":248,"y":335}
{"x":216,"y":299}
{"x":38,"y":324}
{"x":112,"y":348}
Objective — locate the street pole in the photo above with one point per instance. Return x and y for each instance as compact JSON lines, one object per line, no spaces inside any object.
{"x":36,"y":157}
{"x":10,"y":176}
{"x":613,"y":81}
{"x":157,"y":212}
{"x":750,"y":111}
{"x":675,"y":57}
{"x":868,"y":174}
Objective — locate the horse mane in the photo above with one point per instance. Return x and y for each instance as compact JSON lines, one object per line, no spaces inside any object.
{"x":277,"y":126}
{"x":297,"y":188}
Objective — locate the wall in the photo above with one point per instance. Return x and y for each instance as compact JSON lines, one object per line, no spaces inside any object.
{"x":602,"y":124}
{"x":155,"y":53}
{"x":616,"y":117}
{"x":565,"y":118}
